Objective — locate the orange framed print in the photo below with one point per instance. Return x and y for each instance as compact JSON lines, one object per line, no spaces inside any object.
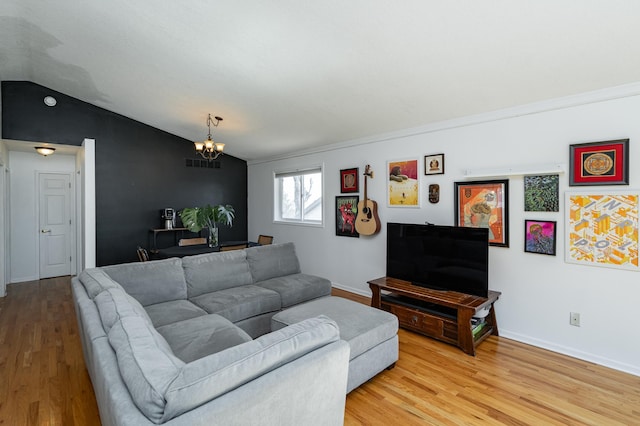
{"x":403,"y":185}
{"x":599,"y":163}
{"x":484,"y":204}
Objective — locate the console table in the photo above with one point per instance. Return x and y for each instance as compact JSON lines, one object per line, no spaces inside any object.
{"x":443,"y":315}
{"x":154,"y":243}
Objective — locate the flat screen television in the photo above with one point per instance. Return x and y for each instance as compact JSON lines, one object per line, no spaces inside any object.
{"x":439,"y":257}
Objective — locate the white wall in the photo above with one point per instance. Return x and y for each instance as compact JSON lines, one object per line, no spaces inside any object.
{"x":538,"y":291}
{"x":23,"y":208}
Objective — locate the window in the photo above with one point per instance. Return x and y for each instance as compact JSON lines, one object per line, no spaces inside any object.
{"x":298,"y":196}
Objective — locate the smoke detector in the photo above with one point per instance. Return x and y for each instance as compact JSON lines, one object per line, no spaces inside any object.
{"x":50,"y":101}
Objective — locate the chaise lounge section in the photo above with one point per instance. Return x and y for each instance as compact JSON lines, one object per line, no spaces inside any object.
{"x":372,"y":334}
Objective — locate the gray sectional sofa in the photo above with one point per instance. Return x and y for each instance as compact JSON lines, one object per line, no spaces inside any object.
{"x":189,"y":342}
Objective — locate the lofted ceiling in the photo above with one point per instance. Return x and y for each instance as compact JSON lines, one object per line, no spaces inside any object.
{"x":291,"y":75}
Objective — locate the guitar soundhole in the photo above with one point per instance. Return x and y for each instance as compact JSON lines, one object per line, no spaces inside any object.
{"x":367,"y":212}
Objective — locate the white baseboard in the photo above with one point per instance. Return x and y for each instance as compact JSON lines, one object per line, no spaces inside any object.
{"x":18,"y":280}
{"x":572,"y":352}
{"x":358,"y":291}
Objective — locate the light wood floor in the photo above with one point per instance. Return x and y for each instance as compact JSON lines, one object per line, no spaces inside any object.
{"x":43,"y":380}
{"x":43,"y":377}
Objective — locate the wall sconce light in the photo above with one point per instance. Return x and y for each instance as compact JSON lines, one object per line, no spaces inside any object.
{"x":45,"y":150}
{"x":209,"y":149}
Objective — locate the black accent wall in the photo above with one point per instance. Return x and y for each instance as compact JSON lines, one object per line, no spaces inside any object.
{"x":139,"y":169}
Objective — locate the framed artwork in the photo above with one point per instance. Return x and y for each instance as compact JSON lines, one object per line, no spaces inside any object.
{"x":434,"y":164}
{"x":602,"y":229}
{"x":403,"y":189}
{"x":484,"y":204}
{"x":346,"y":211}
{"x":541,"y":193}
{"x":599,"y":163}
{"x":349,"y":180}
{"x":540,"y":236}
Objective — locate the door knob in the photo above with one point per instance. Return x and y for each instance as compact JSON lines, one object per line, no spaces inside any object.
{"x":44,"y":231}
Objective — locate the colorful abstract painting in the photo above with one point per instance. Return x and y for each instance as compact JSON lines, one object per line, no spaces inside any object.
{"x":540,"y":237}
{"x":541,"y":193}
{"x":602,"y":229}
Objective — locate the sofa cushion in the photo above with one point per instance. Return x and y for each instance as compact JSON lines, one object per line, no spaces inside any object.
{"x":146,"y":363}
{"x":238,"y":303}
{"x":297,"y":288}
{"x":216,"y":271}
{"x":272,"y":261}
{"x":201,"y":336}
{"x":114,"y":304}
{"x":95,"y":281}
{"x":151,"y":282}
{"x":207,"y":378}
{"x":173,"y":311}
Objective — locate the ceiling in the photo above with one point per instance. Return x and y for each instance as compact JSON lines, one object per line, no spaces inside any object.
{"x":291,"y":75}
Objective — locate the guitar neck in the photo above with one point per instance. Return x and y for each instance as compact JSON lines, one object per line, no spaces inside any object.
{"x":367,"y":173}
{"x":365,"y":189}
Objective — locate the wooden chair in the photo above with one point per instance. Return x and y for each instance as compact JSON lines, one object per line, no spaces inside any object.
{"x":143,"y":254}
{"x":265,"y":240}
{"x":234,"y":247}
{"x":192,"y":241}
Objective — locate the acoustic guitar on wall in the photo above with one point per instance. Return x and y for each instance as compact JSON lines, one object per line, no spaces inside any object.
{"x":367,"y":220}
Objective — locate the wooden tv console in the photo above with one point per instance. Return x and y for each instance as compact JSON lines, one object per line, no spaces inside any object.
{"x":443,"y":315}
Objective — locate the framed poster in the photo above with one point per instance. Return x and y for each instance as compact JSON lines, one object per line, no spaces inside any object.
{"x":541,"y":193}
{"x":540,"y":236}
{"x":349,"y":180}
{"x":434,"y":164}
{"x":484,"y":204}
{"x":602,"y":229}
{"x":599,"y":163}
{"x":346,"y":211}
{"x":403,"y":189}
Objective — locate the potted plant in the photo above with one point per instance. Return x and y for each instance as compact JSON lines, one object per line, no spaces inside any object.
{"x":196,"y":218}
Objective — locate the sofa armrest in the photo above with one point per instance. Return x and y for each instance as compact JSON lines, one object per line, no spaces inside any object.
{"x":212,"y":376}
{"x":310,"y":391}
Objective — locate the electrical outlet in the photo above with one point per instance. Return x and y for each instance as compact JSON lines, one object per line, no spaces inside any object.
{"x":574,"y":319}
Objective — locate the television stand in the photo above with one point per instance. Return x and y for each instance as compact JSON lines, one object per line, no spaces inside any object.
{"x":442,"y":315}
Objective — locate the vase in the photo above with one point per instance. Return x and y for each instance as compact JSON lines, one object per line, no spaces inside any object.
{"x":213,"y":237}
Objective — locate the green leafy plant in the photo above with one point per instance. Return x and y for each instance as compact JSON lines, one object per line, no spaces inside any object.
{"x":196,"y":218}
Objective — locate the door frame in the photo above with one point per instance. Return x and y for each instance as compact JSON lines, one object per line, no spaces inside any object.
{"x":4,"y":223}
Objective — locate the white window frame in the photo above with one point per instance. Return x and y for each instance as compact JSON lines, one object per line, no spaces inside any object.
{"x":277,"y":193}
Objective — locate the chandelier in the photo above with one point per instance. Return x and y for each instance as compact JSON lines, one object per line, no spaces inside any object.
{"x":209,"y":149}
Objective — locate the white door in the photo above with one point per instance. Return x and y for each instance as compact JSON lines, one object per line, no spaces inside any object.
{"x":55,"y":224}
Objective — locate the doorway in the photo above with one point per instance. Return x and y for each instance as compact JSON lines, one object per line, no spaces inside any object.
{"x":56,"y":239}
{"x":22,"y":212}
{"x":26,"y":166}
